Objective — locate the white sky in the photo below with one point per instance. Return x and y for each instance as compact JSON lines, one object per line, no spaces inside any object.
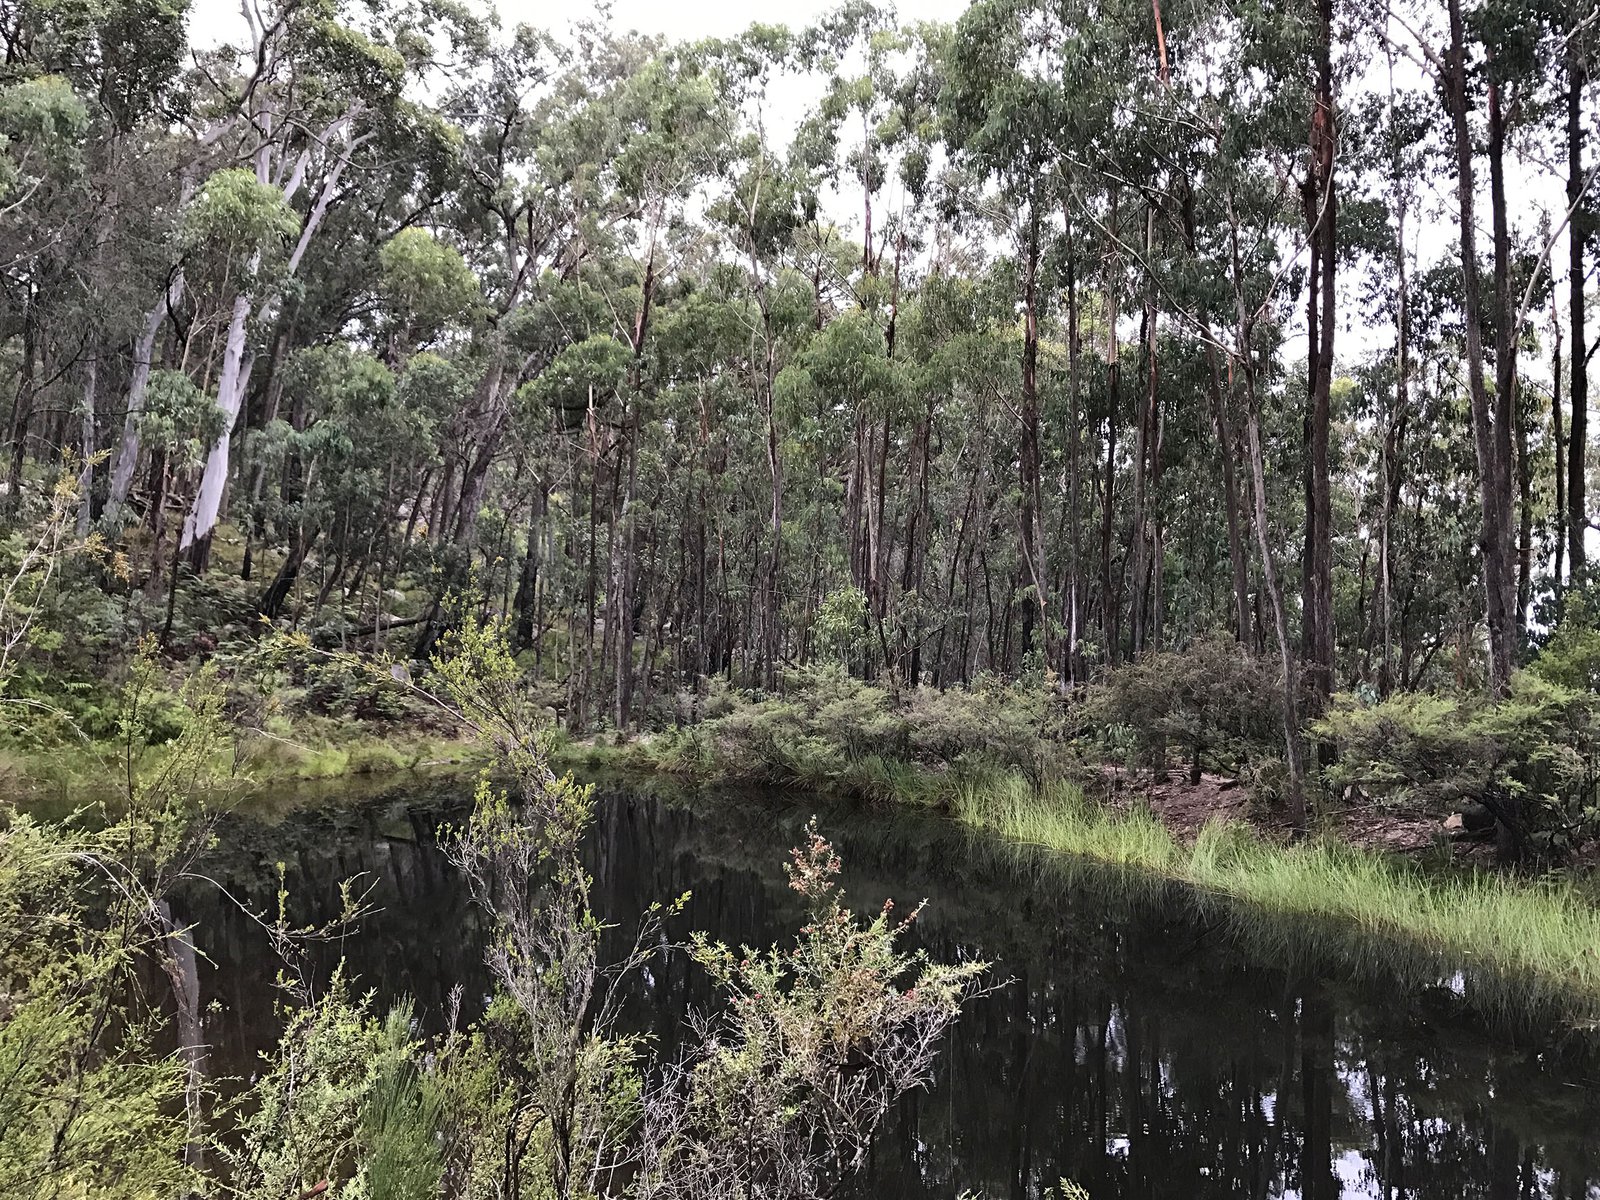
{"x":709,"y":18}
{"x":212,"y":20}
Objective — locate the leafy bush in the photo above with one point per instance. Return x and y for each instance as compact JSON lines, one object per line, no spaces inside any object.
{"x":1416,"y":748}
{"x":1210,"y":699}
{"x":833,"y":731}
{"x":813,"y":1047}
{"x":341,"y":1101}
{"x":810,"y":737}
{"x":1007,"y":724}
{"x":1533,"y":758}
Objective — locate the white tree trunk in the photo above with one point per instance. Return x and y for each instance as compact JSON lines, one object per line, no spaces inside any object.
{"x":127,"y":458}
{"x":203,"y":514}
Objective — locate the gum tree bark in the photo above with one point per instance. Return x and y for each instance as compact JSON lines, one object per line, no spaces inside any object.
{"x":1499,"y":582}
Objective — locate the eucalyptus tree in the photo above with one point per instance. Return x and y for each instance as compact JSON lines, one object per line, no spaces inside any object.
{"x":1581,"y":34}
{"x":298,"y":104}
{"x":995,"y":365}
{"x":875,"y":127}
{"x":1010,"y":124}
{"x":84,"y":90}
{"x":1496,"y":55}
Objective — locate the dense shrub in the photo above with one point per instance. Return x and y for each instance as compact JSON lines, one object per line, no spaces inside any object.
{"x":831,"y":730}
{"x":1414,"y":749}
{"x":1210,"y":699}
{"x":1020,"y":724}
{"x":1533,"y":758}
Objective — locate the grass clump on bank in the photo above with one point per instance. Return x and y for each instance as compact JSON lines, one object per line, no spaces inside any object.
{"x":995,"y":763}
{"x":59,"y":773}
{"x":1547,"y":931}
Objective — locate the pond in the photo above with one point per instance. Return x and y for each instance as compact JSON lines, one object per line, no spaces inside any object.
{"x":1137,"y":1048}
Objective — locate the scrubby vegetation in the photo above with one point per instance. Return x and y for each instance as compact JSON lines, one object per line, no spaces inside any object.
{"x":1532,"y":757}
{"x":985,"y":433}
{"x":540,"y":1094}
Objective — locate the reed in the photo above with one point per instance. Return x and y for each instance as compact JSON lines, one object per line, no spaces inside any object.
{"x":1517,"y":943}
{"x":1510,"y":934}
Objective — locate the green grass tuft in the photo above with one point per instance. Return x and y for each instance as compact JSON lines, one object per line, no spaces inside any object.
{"x":1541,"y":935}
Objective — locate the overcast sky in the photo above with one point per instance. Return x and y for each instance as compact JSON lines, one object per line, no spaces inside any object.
{"x":213,"y":20}
{"x":710,"y":18}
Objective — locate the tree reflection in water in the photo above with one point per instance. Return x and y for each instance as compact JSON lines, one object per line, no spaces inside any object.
{"x":1138,"y":1050}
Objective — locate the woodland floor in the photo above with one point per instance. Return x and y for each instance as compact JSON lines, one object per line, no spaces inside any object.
{"x":1185,"y":807}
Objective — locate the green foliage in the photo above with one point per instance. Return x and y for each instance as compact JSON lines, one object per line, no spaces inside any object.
{"x":813,"y":1049}
{"x":85,"y":1110}
{"x":1020,"y":724}
{"x":428,"y":282}
{"x":237,"y":219}
{"x":179,"y":418}
{"x":40,"y":119}
{"x":590,"y":371}
{"x":1539,"y":746}
{"x":832,"y":732}
{"x":1414,"y":747}
{"x":90,"y":1104}
{"x":817,"y":1044}
{"x":825,"y":723}
{"x":339,"y":1101}
{"x":1211,"y":698}
{"x":841,"y":625}
{"x":403,"y":1120}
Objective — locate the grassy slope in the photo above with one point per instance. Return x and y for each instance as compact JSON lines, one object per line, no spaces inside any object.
{"x":308,"y":752}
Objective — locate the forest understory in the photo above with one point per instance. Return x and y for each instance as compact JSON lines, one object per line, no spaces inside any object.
{"x":1156,"y":434}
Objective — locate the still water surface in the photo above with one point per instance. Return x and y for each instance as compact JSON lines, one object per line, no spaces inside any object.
{"x":1135,"y":1049}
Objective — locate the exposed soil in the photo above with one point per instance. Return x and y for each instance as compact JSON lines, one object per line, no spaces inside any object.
{"x":1185,"y":807}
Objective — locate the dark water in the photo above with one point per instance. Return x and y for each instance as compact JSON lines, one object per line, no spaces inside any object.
{"x":1137,"y":1050}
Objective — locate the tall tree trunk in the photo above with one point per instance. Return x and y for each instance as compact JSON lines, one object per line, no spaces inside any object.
{"x":201,"y":523}
{"x":1524,"y":527}
{"x":22,"y":400}
{"x":1140,"y":542}
{"x":1493,"y":480}
{"x":485,"y":447}
{"x":918,"y":531}
{"x":1293,"y":746}
{"x":1394,"y":435}
{"x":1578,"y":354}
{"x":1072,"y":602}
{"x":1030,"y":460}
{"x":126,"y":462}
{"x":277,"y":593}
{"x":1558,"y":440}
{"x":772,"y":605}
{"x":1228,"y":450}
{"x":625,"y":577}
{"x":1321,"y":218}
{"x":626,"y":572}
{"x":1294,"y":750}
{"x":1109,"y":599}
{"x":1505,"y":360}
{"x":91,"y":387}
{"x":526,"y":601}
